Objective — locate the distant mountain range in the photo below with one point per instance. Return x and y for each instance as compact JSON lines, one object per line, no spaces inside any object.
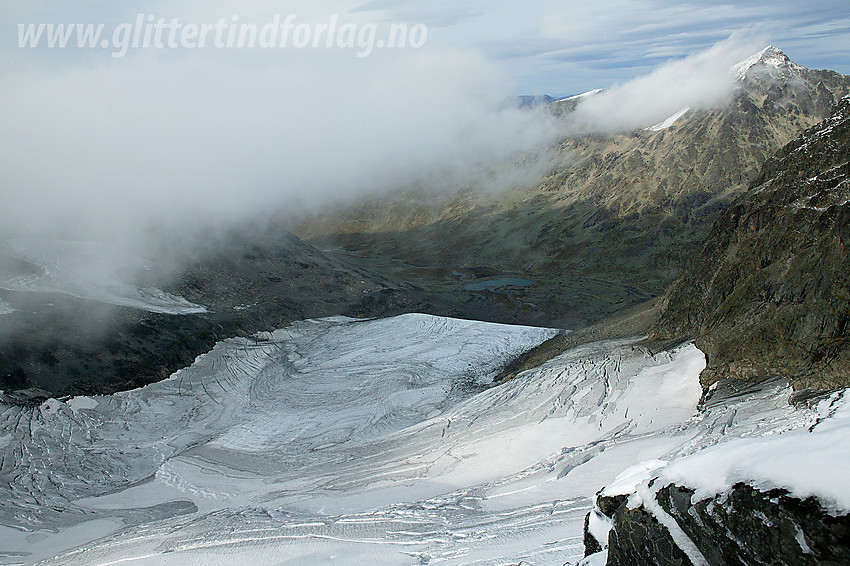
{"x":532,"y":100}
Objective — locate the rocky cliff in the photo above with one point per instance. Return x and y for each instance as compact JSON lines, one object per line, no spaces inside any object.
{"x":743,"y":526}
{"x":765,"y":296}
{"x":768,"y":293}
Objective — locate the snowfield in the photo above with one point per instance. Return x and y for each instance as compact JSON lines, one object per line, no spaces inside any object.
{"x":360,"y":442}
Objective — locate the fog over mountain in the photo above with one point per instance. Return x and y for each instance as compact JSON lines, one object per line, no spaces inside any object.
{"x":170,"y":142}
{"x":107,"y":152}
{"x":701,"y":81}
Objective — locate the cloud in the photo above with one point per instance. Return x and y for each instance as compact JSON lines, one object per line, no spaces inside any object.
{"x":570,"y":46}
{"x":92,"y":146}
{"x":702,"y":80}
{"x":431,"y":13}
{"x":115,"y":148}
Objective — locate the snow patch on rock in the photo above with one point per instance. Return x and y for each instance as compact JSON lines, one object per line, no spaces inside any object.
{"x":669,"y":121}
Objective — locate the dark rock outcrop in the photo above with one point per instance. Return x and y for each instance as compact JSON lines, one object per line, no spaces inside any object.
{"x":744,"y":527}
{"x":768,"y":293}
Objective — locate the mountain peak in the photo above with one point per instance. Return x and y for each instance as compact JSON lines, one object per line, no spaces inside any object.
{"x":770,"y":58}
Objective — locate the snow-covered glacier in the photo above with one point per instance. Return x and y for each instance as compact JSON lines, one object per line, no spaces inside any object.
{"x":358,"y":441}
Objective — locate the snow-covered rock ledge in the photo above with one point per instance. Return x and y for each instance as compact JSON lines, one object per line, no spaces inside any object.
{"x":779,"y":499}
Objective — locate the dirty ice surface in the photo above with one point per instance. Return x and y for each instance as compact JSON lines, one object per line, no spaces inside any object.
{"x":364,"y":442}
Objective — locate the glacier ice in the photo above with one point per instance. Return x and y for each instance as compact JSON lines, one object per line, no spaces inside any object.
{"x":376,"y":441}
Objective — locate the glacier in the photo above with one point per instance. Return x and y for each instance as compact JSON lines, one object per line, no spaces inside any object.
{"x":85,"y":270}
{"x":375,"y":441}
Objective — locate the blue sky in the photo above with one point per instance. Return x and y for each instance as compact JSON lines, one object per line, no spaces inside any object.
{"x":564,"y":47}
{"x":548,"y":46}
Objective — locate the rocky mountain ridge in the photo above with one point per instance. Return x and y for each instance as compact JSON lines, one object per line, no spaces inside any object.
{"x":742,"y":527}
{"x":616,"y":216}
{"x":767,"y":293}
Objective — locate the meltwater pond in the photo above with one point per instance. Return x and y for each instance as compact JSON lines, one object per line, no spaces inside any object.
{"x":361,"y":441}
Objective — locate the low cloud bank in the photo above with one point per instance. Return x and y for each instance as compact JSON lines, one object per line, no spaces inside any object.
{"x":174,"y":143}
{"x":107,"y":151}
{"x":702,"y":80}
